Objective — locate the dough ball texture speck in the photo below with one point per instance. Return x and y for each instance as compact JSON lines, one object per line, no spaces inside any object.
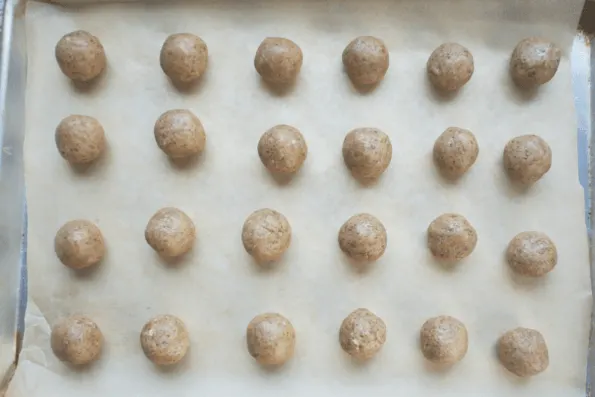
{"x":76,"y":340}
{"x":80,"y":56}
{"x":534,"y":62}
{"x":444,"y":340}
{"x":523,"y":352}
{"x":79,"y":244}
{"x":278,"y":60}
{"x":363,"y":238}
{"x":184,"y":58}
{"x":527,"y":158}
{"x":366,"y":60}
{"x":367,"y":152}
{"x":170,"y":232}
{"x":266,"y":235}
{"x":271,"y":339}
{"x":180,"y":134}
{"x":164,"y":340}
{"x":532,"y":254}
{"x":80,"y":139}
{"x":451,"y":237}
{"x":362,"y":334}
{"x":282,"y":149}
{"x":450,"y":67}
{"x":455,"y":152}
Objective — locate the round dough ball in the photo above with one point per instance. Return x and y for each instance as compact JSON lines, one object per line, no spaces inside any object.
{"x":266,"y":235}
{"x":363,"y":238}
{"x":444,"y":340}
{"x":79,"y":244}
{"x":184,"y":58}
{"x":271,"y":339}
{"x":80,"y":139}
{"x":523,"y":352}
{"x":165,"y":340}
{"x":527,"y":158}
{"x":534,"y":62}
{"x":77,"y":340}
{"x":170,"y":232}
{"x":451,"y":237}
{"x":532,"y":254}
{"x":450,"y":67}
{"x":455,"y":151}
{"x":367,"y":152}
{"x":81,"y":56}
{"x":179,"y":134}
{"x":282,"y":149}
{"x":366,"y":60}
{"x":278,"y":60}
{"x":362,"y":334}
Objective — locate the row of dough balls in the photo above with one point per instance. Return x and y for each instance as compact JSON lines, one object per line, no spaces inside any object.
{"x":271,"y":339}
{"x":282,"y":149}
{"x":184,"y":58}
{"x":266,"y":235}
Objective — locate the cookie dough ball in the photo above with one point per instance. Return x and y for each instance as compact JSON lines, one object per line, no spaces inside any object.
{"x":523,"y":352}
{"x":271,"y":339}
{"x":77,"y":340}
{"x":179,"y":134}
{"x":534,"y":62}
{"x":165,"y":340}
{"x":444,"y":340}
{"x":282,"y":149}
{"x":81,"y":56}
{"x":367,"y":152}
{"x":170,"y":232}
{"x":278,"y":61}
{"x":366,"y":60}
{"x":455,"y":151}
{"x":184,"y":58}
{"x":451,"y":237}
{"x":79,"y":244}
{"x":363,"y":238}
{"x":266,"y":235}
{"x":527,"y":158}
{"x":450,"y":67}
{"x":80,"y":139}
{"x":362,"y":334}
{"x":532,"y":254}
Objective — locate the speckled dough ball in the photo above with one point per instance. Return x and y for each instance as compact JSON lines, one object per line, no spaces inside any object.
{"x":366,"y":60}
{"x":180,"y":134}
{"x":523,"y":352}
{"x":282,"y":149}
{"x":363,"y":238}
{"x":444,"y":340}
{"x":450,"y":67}
{"x":278,"y":60}
{"x":455,"y":151}
{"x":362,"y":334}
{"x":534,"y":62}
{"x":451,"y":237}
{"x":184,"y":58}
{"x":80,"y":139}
{"x":170,"y":232}
{"x":367,"y":152}
{"x":81,"y":56}
{"x":79,"y":244}
{"x":532,"y":254}
{"x":271,"y":339}
{"x":527,"y":158}
{"x":165,"y":340}
{"x":77,"y":340}
{"x":266,"y":235}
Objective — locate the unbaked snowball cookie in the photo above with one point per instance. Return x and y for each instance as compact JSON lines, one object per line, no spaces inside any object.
{"x":79,"y":244}
{"x":278,"y":60}
{"x":451,"y":237}
{"x":534,"y":62}
{"x":455,"y":151}
{"x":282,"y":149}
{"x":366,"y":60}
{"x":443,"y":340}
{"x":165,"y":340}
{"x":362,"y":334}
{"x":271,"y":339}
{"x":180,"y":134}
{"x":77,"y":340}
{"x":523,"y":352}
{"x":527,"y":158}
{"x":367,"y":152}
{"x":80,"y":139}
{"x":450,"y":67}
{"x":184,"y":58}
{"x":363,"y":238}
{"x":266,"y":235}
{"x":532,"y":254}
{"x":81,"y":56}
{"x":170,"y":232}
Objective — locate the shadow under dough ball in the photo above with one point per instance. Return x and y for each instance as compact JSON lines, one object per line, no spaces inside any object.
{"x":278,"y":61}
{"x":282,"y":149}
{"x":366,"y":60}
{"x":532,"y":254}
{"x":443,"y":340}
{"x":180,"y":134}
{"x":77,"y":340}
{"x":80,"y":139}
{"x":170,"y":232}
{"x":362,"y":334}
{"x":523,"y":352}
{"x":271,"y":339}
{"x":79,"y":244}
{"x":266,"y":235}
{"x":455,"y":152}
{"x":164,"y":340}
{"x":363,"y":238}
{"x":367,"y":153}
{"x":534,"y":61}
{"x":184,"y":58}
{"x":451,"y":237}
{"x":527,"y":158}
{"x":450,"y":67}
{"x":80,"y":56}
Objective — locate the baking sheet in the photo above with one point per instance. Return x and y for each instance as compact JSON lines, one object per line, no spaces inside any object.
{"x":218,"y":289}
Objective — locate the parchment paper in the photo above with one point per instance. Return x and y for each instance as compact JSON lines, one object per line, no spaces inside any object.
{"x":217,"y":289}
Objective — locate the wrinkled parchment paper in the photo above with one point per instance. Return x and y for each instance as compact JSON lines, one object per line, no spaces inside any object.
{"x":217,"y":289}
